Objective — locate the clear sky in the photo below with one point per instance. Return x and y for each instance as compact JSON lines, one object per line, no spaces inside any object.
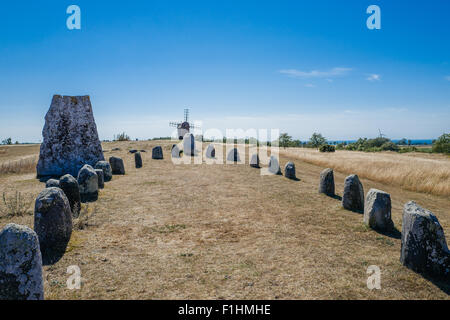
{"x":300,"y":66}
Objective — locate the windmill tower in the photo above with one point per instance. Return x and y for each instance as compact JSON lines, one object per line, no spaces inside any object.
{"x":184,"y":126}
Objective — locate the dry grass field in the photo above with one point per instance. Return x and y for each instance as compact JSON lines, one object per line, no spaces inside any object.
{"x":226,"y":232}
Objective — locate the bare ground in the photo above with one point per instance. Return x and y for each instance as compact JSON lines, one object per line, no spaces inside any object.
{"x":225,"y":232}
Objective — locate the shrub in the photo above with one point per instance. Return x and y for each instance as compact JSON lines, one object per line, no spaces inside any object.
{"x":327,"y":148}
{"x":317,"y":140}
{"x":122,"y":137}
{"x":442,"y":144}
{"x":15,"y":205}
{"x":389,"y":146}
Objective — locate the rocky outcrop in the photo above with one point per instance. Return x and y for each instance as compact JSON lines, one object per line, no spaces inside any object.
{"x":70,"y":138}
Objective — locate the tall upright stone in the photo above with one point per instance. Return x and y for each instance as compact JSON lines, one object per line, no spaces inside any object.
{"x":189,"y":144}
{"x":20,"y":264}
{"x":424,"y":248}
{"x":70,"y":137}
{"x":69,"y":185}
{"x":52,"y":223}
{"x":353,"y":196}
{"x":233,"y":155}
{"x":138,"y":160}
{"x":117,"y":166}
{"x":100,"y":178}
{"x":326,"y":182}
{"x":175,"y":151}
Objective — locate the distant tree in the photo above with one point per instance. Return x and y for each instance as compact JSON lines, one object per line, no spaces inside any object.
{"x":7,"y":141}
{"x":317,"y":140}
{"x":285,"y":140}
{"x":402,"y":142}
{"x":442,"y":144}
{"x":122,"y":137}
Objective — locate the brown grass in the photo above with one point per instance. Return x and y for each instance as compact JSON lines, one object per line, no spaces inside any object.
{"x":225,"y":232}
{"x":414,"y":172}
{"x":23,"y":165}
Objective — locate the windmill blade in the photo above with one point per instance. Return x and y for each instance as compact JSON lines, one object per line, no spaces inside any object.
{"x":173,"y":124}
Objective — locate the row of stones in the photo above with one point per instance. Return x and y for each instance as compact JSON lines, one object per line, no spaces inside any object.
{"x":23,"y":251}
{"x":423,"y":245}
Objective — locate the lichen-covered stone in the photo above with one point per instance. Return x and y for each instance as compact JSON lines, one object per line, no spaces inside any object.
{"x":20,"y":264}
{"x":138,"y":160}
{"x":254,"y":161}
{"x":210,"y":152}
{"x":289,"y":170}
{"x":326,"y":182}
{"x":233,"y":155}
{"x":107,"y":171}
{"x":353,"y":196}
{"x":52,"y":224}
{"x":377,"y":210}
{"x":52,"y":183}
{"x":189,"y":144}
{"x":117,"y":166}
{"x":70,"y":137}
{"x":157,"y":153}
{"x":88,"y":183}
{"x":101,"y":178}
{"x":274,"y":166}
{"x":424,"y":248}
{"x":69,"y":185}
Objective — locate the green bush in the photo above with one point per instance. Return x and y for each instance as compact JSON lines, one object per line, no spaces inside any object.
{"x":442,"y":144}
{"x":327,"y":148}
{"x":389,"y":146}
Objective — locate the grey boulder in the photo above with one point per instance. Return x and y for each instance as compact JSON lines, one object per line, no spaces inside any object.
{"x":69,"y":185}
{"x":52,"y":224}
{"x":175,"y":151}
{"x":117,"y":166}
{"x":20,"y":264}
{"x":233,"y":155}
{"x":289,"y":171}
{"x":88,"y":184}
{"x":274,"y":166}
{"x":106,"y":167}
{"x":353,"y":196}
{"x":326,"y":182}
{"x":377,"y":210}
{"x":210,"y":152}
{"x":189,"y":144}
{"x":157,"y":153}
{"x":101,"y":178}
{"x":424,"y":248}
{"x":52,"y":183}
{"x":254,"y":161}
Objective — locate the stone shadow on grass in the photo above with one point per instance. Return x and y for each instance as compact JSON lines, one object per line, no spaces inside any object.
{"x":391,"y":233}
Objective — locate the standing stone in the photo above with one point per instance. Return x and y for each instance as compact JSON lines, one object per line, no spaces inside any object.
{"x":100,"y":177}
{"x":175,"y":151}
{"x":70,"y":137}
{"x":353,"y":197}
{"x":52,"y":183}
{"x":274,"y":167}
{"x":377,"y":210}
{"x":157,"y":153}
{"x":326,"y":183}
{"x":20,"y":264}
{"x":233,"y":155}
{"x":138,"y":160}
{"x":106,"y":167}
{"x":254,"y":161}
{"x":424,"y":248}
{"x":69,"y":185}
{"x":52,"y":223}
{"x":117,"y":166}
{"x":210,"y":152}
{"x":289,"y":170}
{"x":189,"y":144}
{"x":88,"y":184}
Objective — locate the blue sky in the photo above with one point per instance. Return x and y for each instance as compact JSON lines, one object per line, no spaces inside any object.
{"x":300,"y":66}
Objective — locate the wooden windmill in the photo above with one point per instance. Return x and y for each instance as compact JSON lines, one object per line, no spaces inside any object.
{"x":184,"y":126}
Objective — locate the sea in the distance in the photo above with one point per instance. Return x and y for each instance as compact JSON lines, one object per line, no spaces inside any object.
{"x":414,"y":142}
